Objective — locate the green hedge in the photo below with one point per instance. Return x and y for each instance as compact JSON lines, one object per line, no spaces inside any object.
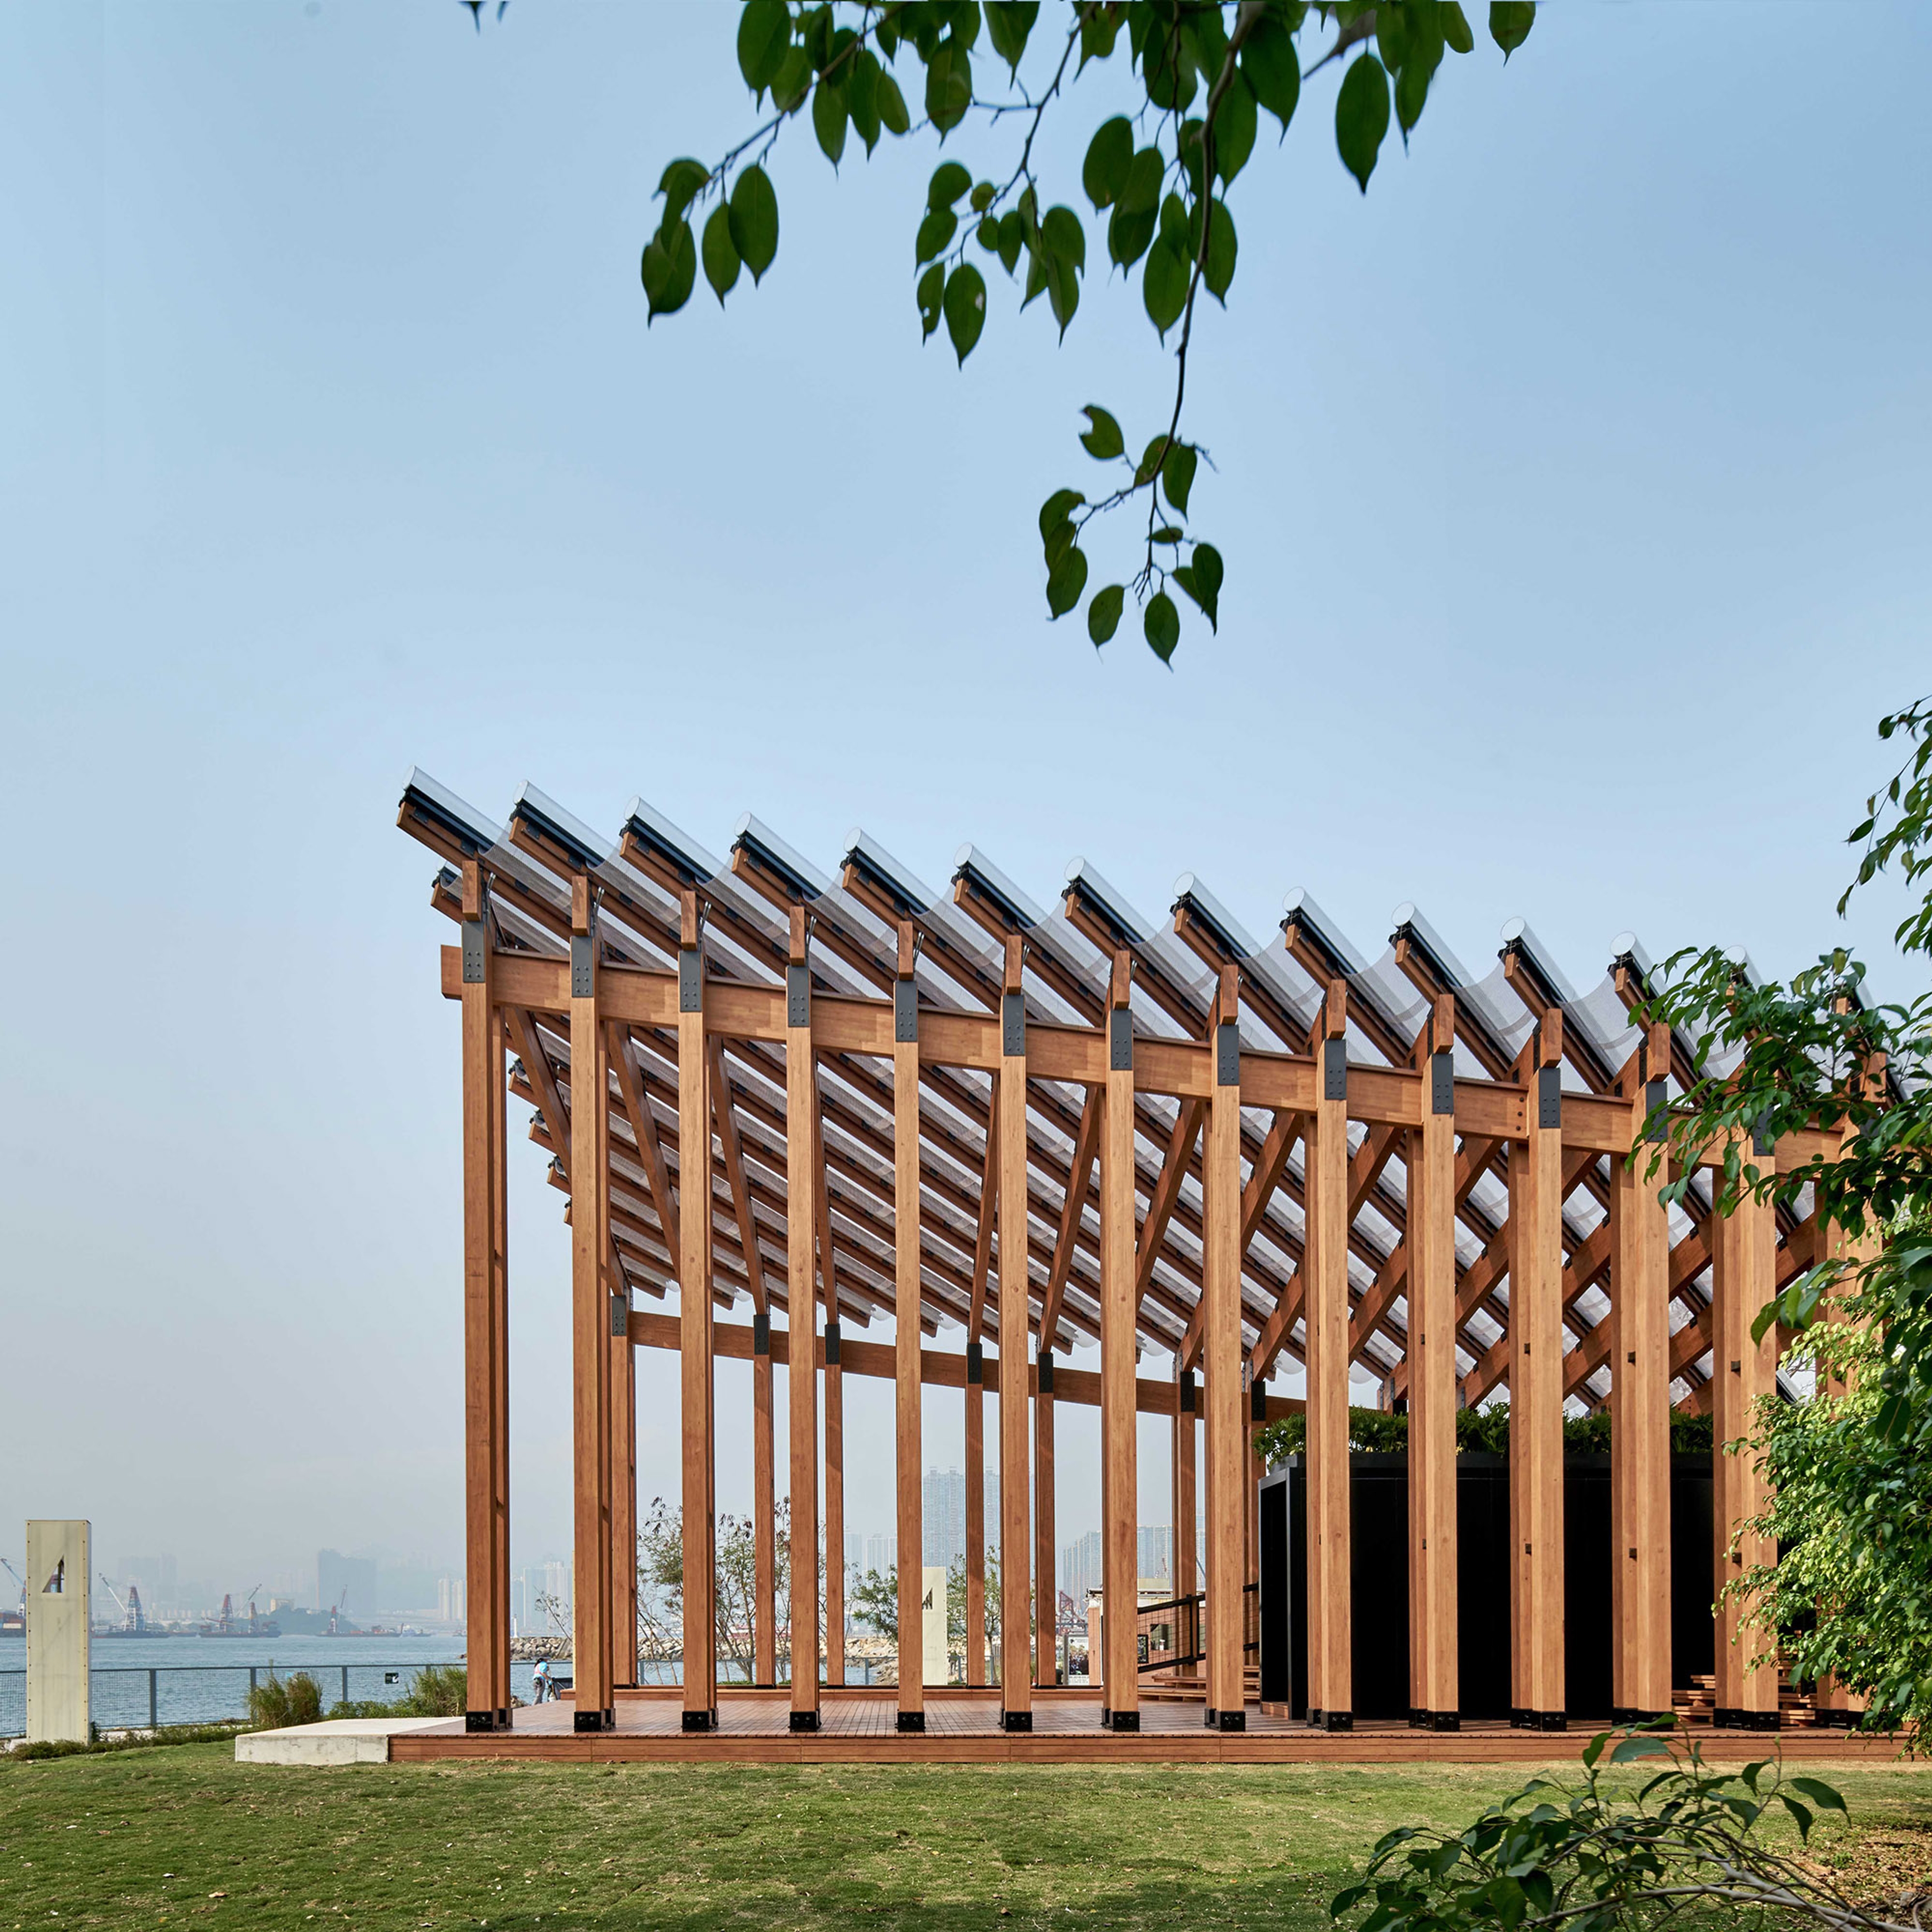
{"x":1480,"y":1431}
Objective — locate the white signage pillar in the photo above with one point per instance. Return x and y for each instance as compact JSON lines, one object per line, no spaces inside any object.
{"x":57,"y":1630}
{"x":933,"y":1664}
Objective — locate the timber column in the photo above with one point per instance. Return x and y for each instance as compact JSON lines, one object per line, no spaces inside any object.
{"x":907,"y":1412}
{"x":1640,"y":1402}
{"x":1325,"y":1310}
{"x":1226,"y":1708}
{"x":1743,"y":1257}
{"x":1015,"y":1671}
{"x":486,"y":1355}
{"x":802,"y":1186}
{"x":1120,"y":1486}
{"x":695,"y":1376}
{"x":591,"y":1290}
{"x":1535,"y":1241}
{"x":1434,"y":1696}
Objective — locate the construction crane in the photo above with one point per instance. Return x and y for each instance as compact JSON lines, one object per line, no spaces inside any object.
{"x":20,"y":1579}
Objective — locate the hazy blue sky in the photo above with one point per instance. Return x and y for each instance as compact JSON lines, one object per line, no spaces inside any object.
{"x":1574,"y":487}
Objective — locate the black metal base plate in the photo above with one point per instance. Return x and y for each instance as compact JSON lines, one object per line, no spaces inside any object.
{"x":1728,"y":1720}
{"x":1435,"y":1721}
{"x":593,"y":1721}
{"x":1620,"y":1715}
{"x":912,"y":1720}
{"x":1539,"y":1720}
{"x":1016,"y":1721}
{"x":804,"y":1721}
{"x":479,"y":1721}
{"x":1831,"y":1719}
{"x":1338,"y":1720}
{"x":1230,"y":1721}
{"x":1121,"y":1720}
{"x":700,"y":1721}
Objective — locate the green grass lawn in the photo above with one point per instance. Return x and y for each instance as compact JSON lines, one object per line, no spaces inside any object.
{"x":184,"y":1835}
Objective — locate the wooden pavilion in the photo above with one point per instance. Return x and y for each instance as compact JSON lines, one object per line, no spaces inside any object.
{"x":1251,"y":1161}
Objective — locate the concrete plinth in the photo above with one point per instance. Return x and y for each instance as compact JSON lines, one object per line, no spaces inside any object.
{"x":338,"y":1742}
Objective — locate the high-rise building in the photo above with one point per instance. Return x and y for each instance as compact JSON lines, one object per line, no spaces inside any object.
{"x":855,"y":1550}
{"x":1080,"y":1568}
{"x":882,"y":1551}
{"x":452,"y":1600}
{"x":1153,"y":1550}
{"x":943,"y":1517}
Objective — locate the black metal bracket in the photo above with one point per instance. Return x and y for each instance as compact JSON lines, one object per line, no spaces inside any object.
{"x":1655,"y":1093}
{"x":1045,"y":1365}
{"x":479,"y":1721}
{"x":1550,"y":1096}
{"x":798,"y":996}
{"x":1122,"y":1721}
{"x":620,"y":1313}
{"x":1338,"y":1720}
{"x":1012,"y":1024}
{"x":1119,"y":1040}
{"x":1442,"y":1083}
{"x":590,"y":1720}
{"x":831,"y":1344}
{"x":1187,"y":1392}
{"x":761,"y":1333}
{"x":583,"y":965}
{"x":804,"y":1721}
{"x":1227,"y":1054}
{"x":476,"y":951}
{"x":1230,"y":1721}
{"x":1016,"y":1721}
{"x":905,"y":1011}
{"x":1257,"y":1402}
{"x":975,"y":1363}
{"x":1334,"y":1070}
{"x":690,"y":980}
{"x":912,"y":1720}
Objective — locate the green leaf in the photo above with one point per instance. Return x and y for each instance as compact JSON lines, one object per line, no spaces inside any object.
{"x":1509,"y":23}
{"x":1392,"y":37}
{"x":1141,"y":195}
{"x":1235,"y":127}
{"x":1175,"y":228}
{"x":1164,"y":285}
{"x":934,"y":232}
{"x":1128,"y":236}
{"x":949,"y":84}
{"x":1110,"y":158}
{"x":1059,"y":229}
{"x":1160,"y":624}
{"x":755,"y":220}
{"x":965,"y":306}
{"x":1059,"y":541}
{"x":1205,"y":568}
{"x":1411,"y":92}
{"x":891,"y":104}
{"x":1149,"y":466}
{"x":1218,"y":270}
{"x":983,"y":196}
{"x":793,"y":81}
{"x":1362,"y":117}
{"x":949,"y":181}
{"x":1102,"y":439}
{"x":1097,"y":31}
{"x":681,"y":181}
{"x":861,"y":97}
{"x":1063,"y":290}
{"x":720,"y":254}
{"x":764,"y":32}
{"x":1177,"y":475}
{"x":1103,"y":614}
{"x":930,"y":294}
{"x":1013,"y":238}
{"x":1822,"y":1795}
{"x":1067,"y":580}
{"x":1058,"y":507}
{"x":828,"y":119}
{"x":1008,"y":24}
{"x":1456,"y":27}
{"x":1631,"y":1749}
{"x":669,"y":267}
{"x":1272,"y":69}
{"x":1168,"y":533}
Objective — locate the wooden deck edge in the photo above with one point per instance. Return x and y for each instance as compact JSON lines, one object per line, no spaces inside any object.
{"x":1101,"y":1749}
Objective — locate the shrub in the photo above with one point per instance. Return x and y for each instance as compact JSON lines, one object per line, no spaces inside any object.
{"x":440,"y":1690}
{"x":283,"y":1701}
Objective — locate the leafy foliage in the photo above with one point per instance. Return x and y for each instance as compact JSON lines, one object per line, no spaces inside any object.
{"x":1770,"y":1061}
{"x":875,"y":1601}
{"x":1591,"y":1855}
{"x":661,"y":1584}
{"x":1478,"y":1431}
{"x":1202,"y":73}
{"x":276,"y":1702}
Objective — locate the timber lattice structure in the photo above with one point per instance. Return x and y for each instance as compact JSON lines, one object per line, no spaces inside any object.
{"x":1249,"y":1159}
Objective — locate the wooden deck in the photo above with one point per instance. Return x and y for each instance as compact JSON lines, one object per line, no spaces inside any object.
{"x":963,"y":1728}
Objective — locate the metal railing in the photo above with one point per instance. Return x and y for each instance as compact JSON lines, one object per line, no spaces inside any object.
{"x":392,"y":1675}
